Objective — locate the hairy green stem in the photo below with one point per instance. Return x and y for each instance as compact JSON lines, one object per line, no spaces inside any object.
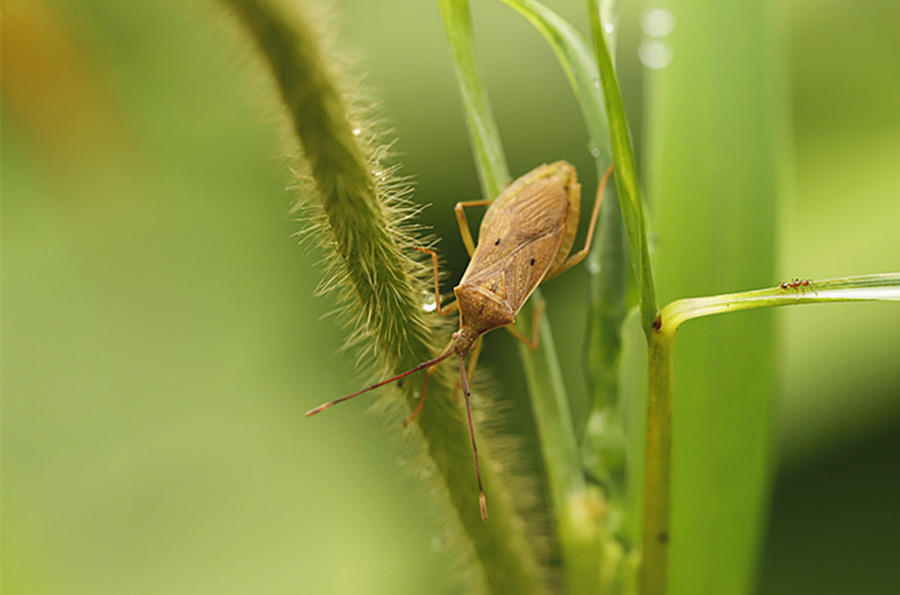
{"x":383,"y":284}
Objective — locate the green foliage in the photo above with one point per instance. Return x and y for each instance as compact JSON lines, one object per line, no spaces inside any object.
{"x":716,"y":157}
{"x":592,"y":560}
{"x":590,"y":521}
{"x":572,"y":504}
{"x":385,"y":286}
{"x":626,"y":173}
{"x":161,"y":338}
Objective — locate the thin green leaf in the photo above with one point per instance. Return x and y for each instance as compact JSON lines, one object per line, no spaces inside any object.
{"x":604,"y":445}
{"x":576,"y":58}
{"x":627,"y":182}
{"x":715,"y":156}
{"x":607,"y":260}
{"x":490,"y":158}
{"x":868,"y":288}
{"x":657,"y":485}
{"x":562,"y":463}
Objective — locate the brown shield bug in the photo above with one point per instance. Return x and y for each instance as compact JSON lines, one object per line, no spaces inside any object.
{"x":524,"y":239}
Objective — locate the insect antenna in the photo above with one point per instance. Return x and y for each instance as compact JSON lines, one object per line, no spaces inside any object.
{"x":421,"y":366}
{"x":465,"y":386}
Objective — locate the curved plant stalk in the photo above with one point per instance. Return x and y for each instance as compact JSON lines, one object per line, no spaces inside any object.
{"x":627,"y":182}
{"x":578,"y":63}
{"x":608,"y":258}
{"x":863,"y":288}
{"x":577,"y":510}
{"x":603,"y":430}
{"x":490,"y":159}
{"x":658,"y":466}
{"x":371,"y":253}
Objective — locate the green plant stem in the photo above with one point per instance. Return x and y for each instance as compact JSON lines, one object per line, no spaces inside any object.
{"x":608,"y":268}
{"x":576,"y":518}
{"x":577,"y":512}
{"x":658,"y":456}
{"x":716,"y":165}
{"x":607,"y":260}
{"x":602,"y":430}
{"x":372,"y":265}
{"x":861,"y":288}
{"x":657,"y":465}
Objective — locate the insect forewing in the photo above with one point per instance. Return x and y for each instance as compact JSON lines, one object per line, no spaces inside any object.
{"x":523,"y":233}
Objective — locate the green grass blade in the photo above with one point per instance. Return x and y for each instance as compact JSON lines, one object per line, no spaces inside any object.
{"x":579,"y":66}
{"x":605,"y":440}
{"x":607,"y":260}
{"x":558,"y":443}
{"x":627,"y":182}
{"x":864,"y":288}
{"x":489,"y":156}
{"x":716,"y":153}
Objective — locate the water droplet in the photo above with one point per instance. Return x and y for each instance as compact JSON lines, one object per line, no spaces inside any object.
{"x":657,"y":22}
{"x":655,"y":54}
{"x":428,"y":303}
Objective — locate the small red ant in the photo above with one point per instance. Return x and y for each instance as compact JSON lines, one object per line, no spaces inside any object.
{"x":800,"y":285}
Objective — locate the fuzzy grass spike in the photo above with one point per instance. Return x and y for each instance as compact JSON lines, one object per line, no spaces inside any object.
{"x":373,"y":268}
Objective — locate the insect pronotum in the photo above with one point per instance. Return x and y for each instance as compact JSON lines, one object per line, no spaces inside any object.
{"x":524,"y":239}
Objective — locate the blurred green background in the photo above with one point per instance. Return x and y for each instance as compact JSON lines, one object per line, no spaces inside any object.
{"x":161,"y":340}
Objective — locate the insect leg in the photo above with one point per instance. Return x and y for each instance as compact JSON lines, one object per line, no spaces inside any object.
{"x":437,"y":286}
{"x":463,"y":223}
{"x":465,"y":386}
{"x":532,"y":342}
{"x":473,"y":358}
{"x":579,"y":256}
